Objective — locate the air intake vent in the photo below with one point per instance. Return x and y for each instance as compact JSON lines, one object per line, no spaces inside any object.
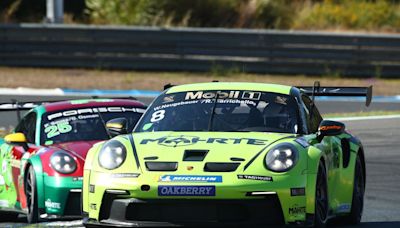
{"x":195,"y":155}
{"x":161,"y":166}
{"x":220,"y":166}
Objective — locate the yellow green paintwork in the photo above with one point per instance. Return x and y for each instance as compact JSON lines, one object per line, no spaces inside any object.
{"x":302,"y":175}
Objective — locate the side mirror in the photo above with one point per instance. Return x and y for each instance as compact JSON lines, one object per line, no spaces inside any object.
{"x":17,"y":139}
{"x":329,"y":128}
{"x":117,"y":126}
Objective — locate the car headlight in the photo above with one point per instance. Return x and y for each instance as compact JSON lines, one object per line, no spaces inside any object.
{"x":62,"y":162}
{"x":112,"y":154}
{"x":282,"y":157}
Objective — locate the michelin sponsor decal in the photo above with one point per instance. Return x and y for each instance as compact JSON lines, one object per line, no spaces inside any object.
{"x":190,"y":178}
{"x":253,"y":177}
{"x":186,"y":190}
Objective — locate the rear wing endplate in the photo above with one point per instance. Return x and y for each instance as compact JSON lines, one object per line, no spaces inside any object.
{"x":335,"y":91}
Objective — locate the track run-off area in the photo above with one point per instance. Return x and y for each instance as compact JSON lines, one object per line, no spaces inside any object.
{"x":379,"y":135}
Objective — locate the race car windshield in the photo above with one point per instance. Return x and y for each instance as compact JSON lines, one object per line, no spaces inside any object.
{"x":229,"y":111}
{"x":83,"y":124}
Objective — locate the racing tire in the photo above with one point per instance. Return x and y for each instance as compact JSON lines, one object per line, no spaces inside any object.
{"x":31,"y":196}
{"x":357,"y":204}
{"x":321,"y":197}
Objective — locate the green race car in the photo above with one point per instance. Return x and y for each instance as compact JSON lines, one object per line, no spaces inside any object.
{"x":42,"y":160}
{"x":229,"y":154}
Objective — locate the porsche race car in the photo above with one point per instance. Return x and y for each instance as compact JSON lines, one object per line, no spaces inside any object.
{"x":42,"y":161}
{"x":229,"y":154}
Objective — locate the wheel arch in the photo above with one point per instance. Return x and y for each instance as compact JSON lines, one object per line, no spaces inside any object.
{"x":362,"y":157}
{"x":315,"y":156}
{"x":36,"y":163}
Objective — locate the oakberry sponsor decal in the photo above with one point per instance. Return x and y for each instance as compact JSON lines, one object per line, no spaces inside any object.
{"x":186,"y":190}
{"x":190,"y":178}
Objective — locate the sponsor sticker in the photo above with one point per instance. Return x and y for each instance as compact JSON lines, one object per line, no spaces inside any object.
{"x":4,"y":203}
{"x":211,"y":95}
{"x":168,"y":99}
{"x":190,"y":178}
{"x":251,"y":95}
{"x":124,"y":175}
{"x":76,"y":112}
{"x":344,"y":208}
{"x":54,"y":205}
{"x":254,"y":177}
{"x":297,"y":210}
{"x":184,"y":140}
{"x":186,"y":190}
{"x":77,"y":179}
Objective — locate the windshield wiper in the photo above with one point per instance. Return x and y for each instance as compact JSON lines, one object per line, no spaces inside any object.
{"x":210,"y":122}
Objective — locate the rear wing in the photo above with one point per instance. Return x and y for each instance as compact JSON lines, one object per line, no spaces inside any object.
{"x":15,"y":106}
{"x":335,"y":91}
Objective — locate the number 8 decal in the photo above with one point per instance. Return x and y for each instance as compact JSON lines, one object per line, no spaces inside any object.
{"x":157,"y":116}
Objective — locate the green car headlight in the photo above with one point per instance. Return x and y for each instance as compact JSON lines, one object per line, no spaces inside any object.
{"x":62,"y":162}
{"x":112,"y":155}
{"x":282,"y":157}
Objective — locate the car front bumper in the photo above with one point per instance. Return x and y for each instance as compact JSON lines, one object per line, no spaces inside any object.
{"x":122,"y":202}
{"x":62,"y":196}
{"x":188,"y":212}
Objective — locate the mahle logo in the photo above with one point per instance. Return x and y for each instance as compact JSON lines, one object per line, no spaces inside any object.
{"x":173,"y":141}
{"x":184,"y":140}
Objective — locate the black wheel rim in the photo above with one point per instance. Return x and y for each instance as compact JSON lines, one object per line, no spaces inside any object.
{"x":321,"y":196}
{"x":29,"y":192}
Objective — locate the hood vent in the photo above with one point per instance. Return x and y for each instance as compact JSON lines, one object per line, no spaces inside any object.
{"x":161,"y":166}
{"x":221,"y":166}
{"x":194,"y":155}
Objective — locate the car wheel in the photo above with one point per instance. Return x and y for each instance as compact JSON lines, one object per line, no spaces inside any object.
{"x":31,"y":196}
{"x":321,"y":197}
{"x":358,"y":195}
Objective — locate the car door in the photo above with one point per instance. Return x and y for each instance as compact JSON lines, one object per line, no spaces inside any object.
{"x":331,"y":145}
{"x":16,"y":155}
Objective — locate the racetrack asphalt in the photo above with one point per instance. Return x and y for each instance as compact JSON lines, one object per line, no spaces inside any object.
{"x":381,"y":139}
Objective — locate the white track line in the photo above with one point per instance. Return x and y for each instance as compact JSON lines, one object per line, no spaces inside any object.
{"x":30,"y":91}
{"x":365,"y":118}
